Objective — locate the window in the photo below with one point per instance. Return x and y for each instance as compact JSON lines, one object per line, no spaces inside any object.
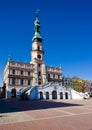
{"x":58,"y":76}
{"x":28,"y":82}
{"x":39,"y":65}
{"x":53,"y":75}
{"x":65,"y":83}
{"x":28,"y":72}
{"x":9,"y":80}
{"x":48,"y":75}
{"x":39,"y":56}
{"x":38,"y":47}
{"x":13,"y":71}
{"x":39,"y":73}
{"x":21,"y":72}
{"x":22,"y":82}
{"x":13,"y":81}
{"x":39,"y":83}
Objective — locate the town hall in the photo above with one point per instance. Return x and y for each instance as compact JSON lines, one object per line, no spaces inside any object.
{"x":35,"y":79}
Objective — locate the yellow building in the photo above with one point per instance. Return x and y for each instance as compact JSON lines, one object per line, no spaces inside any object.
{"x":77,"y":84}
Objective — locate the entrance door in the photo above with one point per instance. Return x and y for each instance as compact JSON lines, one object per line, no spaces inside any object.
{"x":13,"y":93}
{"x":66,"y":95}
{"x":54,"y":95}
{"x":61,"y":95}
{"x":47,"y":95}
{"x":41,"y":95}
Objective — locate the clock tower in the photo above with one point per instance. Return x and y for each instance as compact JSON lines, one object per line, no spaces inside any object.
{"x":37,"y":53}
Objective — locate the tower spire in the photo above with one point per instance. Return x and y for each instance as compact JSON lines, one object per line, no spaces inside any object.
{"x":9,"y":58}
{"x":37,"y":11}
{"x":37,"y":28}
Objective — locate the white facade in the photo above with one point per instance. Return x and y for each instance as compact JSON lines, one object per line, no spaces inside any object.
{"x":49,"y":91}
{"x":52,"y":91}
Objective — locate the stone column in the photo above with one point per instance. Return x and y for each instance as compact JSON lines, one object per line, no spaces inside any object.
{"x":64,"y":95}
{"x":58,"y":95}
{"x":50,"y":96}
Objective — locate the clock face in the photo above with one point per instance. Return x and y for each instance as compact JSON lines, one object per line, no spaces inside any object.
{"x":39,"y":56}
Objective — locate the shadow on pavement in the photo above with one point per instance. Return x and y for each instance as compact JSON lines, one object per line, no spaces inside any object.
{"x":15,"y":105}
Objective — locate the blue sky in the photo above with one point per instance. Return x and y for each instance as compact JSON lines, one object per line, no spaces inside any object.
{"x":66,"y":28}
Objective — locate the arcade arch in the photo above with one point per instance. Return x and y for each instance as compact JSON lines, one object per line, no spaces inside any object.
{"x":54,"y":94}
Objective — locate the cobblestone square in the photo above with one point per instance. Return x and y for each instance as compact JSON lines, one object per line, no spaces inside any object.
{"x":46,"y":115}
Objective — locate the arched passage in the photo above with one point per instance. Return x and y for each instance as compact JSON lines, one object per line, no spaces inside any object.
{"x":47,"y":95}
{"x":66,"y":95}
{"x":54,"y":95}
{"x":61,"y":95}
{"x":41,"y":95}
{"x":13,"y":93}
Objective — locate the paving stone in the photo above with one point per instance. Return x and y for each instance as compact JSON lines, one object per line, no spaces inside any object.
{"x":31,"y":115}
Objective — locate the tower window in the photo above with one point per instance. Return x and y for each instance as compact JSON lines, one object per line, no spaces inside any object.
{"x":39,"y":56}
{"x":39,"y":65}
{"x":39,"y":73}
{"x":38,"y":47}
